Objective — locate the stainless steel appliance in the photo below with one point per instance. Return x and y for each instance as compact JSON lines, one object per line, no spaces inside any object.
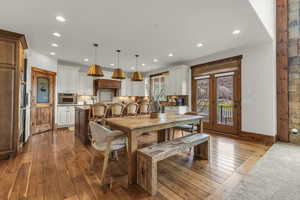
{"x":67,"y":98}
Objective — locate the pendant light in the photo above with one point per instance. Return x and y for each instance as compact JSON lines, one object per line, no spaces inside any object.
{"x":94,"y":69}
{"x":137,"y":76}
{"x":118,"y":73}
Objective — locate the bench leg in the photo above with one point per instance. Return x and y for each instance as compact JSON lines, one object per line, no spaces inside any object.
{"x":202,"y":151}
{"x":147,"y":174}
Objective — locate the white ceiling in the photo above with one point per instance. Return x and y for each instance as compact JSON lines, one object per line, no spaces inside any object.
{"x":151,"y":28}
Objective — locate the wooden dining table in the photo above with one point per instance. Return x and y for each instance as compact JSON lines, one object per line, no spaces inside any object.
{"x":134,"y":126}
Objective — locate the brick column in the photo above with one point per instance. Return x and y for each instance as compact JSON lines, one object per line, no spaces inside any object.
{"x":294,"y":67}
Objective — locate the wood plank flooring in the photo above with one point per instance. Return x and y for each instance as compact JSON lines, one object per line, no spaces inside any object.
{"x":56,"y":166}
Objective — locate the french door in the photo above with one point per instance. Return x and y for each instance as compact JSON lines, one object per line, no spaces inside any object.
{"x":216,"y":95}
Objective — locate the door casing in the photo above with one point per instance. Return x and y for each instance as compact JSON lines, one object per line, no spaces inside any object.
{"x":232,"y":64}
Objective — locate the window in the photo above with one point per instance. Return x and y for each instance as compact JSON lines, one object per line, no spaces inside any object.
{"x":42,"y":90}
{"x":158,"y":86}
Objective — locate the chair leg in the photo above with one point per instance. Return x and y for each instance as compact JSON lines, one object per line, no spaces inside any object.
{"x":182,"y":133}
{"x":105,"y":164}
{"x":173,"y":136}
{"x":92,"y":161}
{"x":116,"y":157}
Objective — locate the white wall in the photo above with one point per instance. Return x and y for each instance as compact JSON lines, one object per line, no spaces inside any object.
{"x":36,"y":59}
{"x":258,"y":86}
{"x":266,"y":11}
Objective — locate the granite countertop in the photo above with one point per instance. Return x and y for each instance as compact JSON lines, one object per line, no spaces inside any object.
{"x":72,"y":105}
{"x":82,"y":107}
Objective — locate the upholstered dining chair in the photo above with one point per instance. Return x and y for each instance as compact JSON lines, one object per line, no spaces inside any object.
{"x":131,"y":109}
{"x":106,"y":141}
{"x":98,"y":112}
{"x":116,"y":109}
{"x":144,"y":108}
{"x":187,"y":128}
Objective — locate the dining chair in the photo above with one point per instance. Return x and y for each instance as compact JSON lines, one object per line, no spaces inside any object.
{"x":131,"y":109}
{"x":98,"y":112}
{"x":106,"y":141}
{"x":116,"y":109}
{"x":185,"y":128}
{"x":144,"y":108}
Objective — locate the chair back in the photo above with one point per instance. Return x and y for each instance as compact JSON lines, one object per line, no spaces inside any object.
{"x":144,"y":108}
{"x":132,"y":108}
{"x":99,"y":110}
{"x":99,"y":134}
{"x":116,"y":109}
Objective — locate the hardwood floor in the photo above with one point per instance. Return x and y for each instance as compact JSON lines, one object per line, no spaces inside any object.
{"x":57,"y":166}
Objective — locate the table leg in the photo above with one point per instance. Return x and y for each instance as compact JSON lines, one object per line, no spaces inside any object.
{"x":200,"y":126}
{"x":132,"y":158}
{"x":162,"y":135}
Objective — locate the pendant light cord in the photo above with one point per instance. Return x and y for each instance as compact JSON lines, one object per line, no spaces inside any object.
{"x":95,"y":53}
{"x":118,"y":58}
{"x":136,"y":62}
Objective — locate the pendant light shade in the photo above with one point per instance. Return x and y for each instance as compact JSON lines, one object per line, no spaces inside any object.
{"x":137,"y":76}
{"x":94,"y":69}
{"x":118,"y":73}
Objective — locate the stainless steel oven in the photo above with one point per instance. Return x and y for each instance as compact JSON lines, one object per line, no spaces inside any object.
{"x":67,"y":98}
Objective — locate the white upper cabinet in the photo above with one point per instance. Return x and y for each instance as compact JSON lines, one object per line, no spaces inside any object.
{"x":67,"y":79}
{"x":177,"y":81}
{"x":138,"y":88}
{"x":85,"y":84}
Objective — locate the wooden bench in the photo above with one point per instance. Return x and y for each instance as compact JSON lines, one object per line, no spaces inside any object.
{"x":148,"y":157}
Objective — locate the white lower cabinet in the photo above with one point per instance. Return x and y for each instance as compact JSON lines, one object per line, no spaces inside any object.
{"x":66,"y":116}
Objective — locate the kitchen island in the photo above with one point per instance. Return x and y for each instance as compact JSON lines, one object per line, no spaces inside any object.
{"x":82,"y":123}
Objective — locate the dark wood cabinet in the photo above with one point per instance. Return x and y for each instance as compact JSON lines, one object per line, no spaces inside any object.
{"x":81,"y":124}
{"x":12,"y":47}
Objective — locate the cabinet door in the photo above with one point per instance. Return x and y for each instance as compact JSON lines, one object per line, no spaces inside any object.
{"x":67,"y":80}
{"x":85,"y":84}
{"x":171,"y":83}
{"x":72,"y":116}
{"x":138,"y":88}
{"x":62,"y":116}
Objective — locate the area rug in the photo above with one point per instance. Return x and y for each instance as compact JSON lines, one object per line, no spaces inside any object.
{"x":276,"y":176}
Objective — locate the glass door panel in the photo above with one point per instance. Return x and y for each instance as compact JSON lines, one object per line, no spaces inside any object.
{"x":203,"y":98}
{"x":225,"y":100}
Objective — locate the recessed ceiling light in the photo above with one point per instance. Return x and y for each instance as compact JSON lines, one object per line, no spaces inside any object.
{"x":132,"y":68}
{"x":52,"y":53}
{"x":170,"y":55}
{"x":155,"y":60}
{"x":57,"y":34}
{"x":86,"y":60}
{"x":199,"y":45}
{"x":143,"y":64}
{"x":235,"y":32}
{"x":54,"y":45}
{"x":112,"y":64}
{"x":60,"y":18}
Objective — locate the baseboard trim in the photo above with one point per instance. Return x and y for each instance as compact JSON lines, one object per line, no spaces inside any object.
{"x":248,"y":136}
{"x":258,"y":137}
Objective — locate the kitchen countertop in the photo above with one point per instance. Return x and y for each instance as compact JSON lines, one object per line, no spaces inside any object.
{"x":72,"y":105}
{"x":83,"y":107}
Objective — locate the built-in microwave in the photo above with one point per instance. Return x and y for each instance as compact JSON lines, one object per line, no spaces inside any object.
{"x":67,"y":98}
